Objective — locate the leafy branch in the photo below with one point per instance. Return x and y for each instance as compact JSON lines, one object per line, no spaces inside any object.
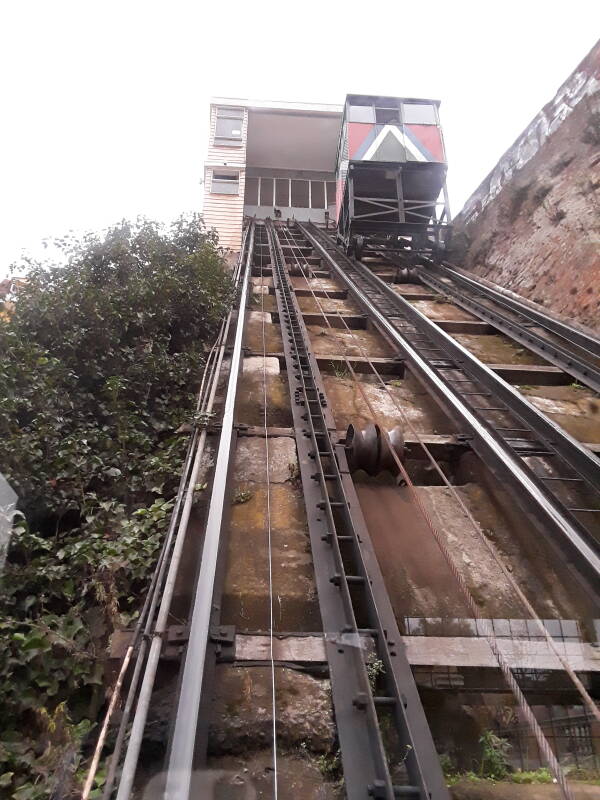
{"x":102,"y":356}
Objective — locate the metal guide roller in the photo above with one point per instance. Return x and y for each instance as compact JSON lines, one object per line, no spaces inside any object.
{"x":372,"y":451}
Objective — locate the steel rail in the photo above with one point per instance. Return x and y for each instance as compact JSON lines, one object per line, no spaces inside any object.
{"x":155,"y":635}
{"x":592,"y":708}
{"x":582,"y":370}
{"x":543,"y":744}
{"x":580,"y":457}
{"x":161,"y":584}
{"x":401,"y":320}
{"x":181,"y":758}
{"x":336,"y":522}
{"x":572,"y":335}
{"x":154,"y":631}
{"x":138,"y":644}
{"x":269,"y":532}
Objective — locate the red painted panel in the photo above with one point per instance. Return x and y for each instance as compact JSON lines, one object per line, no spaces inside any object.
{"x":429,"y":136}
{"x":357,"y":133}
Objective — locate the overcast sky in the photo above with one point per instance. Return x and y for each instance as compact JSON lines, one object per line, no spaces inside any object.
{"x":105,"y":104}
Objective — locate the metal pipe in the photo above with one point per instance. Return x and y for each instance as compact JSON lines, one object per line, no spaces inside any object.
{"x":148,"y":619}
{"x":180,"y":765}
{"x":144,"y":620}
{"x":100,"y":744}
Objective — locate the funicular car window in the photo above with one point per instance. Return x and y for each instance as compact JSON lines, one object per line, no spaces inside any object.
{"x":419,"y":114}
{"x":387,"y":115}
{"x":361,"y":114}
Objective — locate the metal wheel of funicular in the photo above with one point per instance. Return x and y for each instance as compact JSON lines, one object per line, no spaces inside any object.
{"x":391,"y":176}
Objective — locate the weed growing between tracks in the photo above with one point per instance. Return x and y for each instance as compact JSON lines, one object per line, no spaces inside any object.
{"x":101,"y":359}
{"x":494,"y":766}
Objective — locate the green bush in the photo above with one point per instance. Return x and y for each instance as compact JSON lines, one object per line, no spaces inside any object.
{"x":541,"y":775}
{"x":101,"y":359}
{"x":494,"y":756}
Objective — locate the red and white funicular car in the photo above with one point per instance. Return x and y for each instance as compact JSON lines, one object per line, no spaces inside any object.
{"x":391,"y":176}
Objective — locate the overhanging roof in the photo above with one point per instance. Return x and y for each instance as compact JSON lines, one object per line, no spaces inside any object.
{"x":292,"y":140}
{"x":281,"y":105}
{"x":289,"y":135}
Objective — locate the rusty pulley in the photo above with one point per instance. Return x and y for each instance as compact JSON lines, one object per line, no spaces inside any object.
{"x":371,"y":450}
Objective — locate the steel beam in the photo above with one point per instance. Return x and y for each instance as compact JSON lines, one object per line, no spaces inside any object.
{"x":181,"y":759}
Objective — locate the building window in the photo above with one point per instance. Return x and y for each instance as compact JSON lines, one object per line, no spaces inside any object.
{"x":251,"y":192}
{"x":317,"y":194}
{"x":266,"y":192}
{"x":330,"y":193}
{"x":300,"y":194}
{"x":288,"y":192}
{"x":282,"y":192}
{"x":225,"y":183}
{"x":228,"y":129}
{"x":419,"y":114}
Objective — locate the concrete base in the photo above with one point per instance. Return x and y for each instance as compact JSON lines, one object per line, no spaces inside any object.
{"x":336,"y":341}
{"x":410,"y":402}
{"x":505,"y":790}
{"x":463,"y":651}
{"x":247,"y":595}
{"x":496,"y":349}
{"x":250,"y":404}
{"x":435,"y":651}
{"x":299,"y":775}
{"x":574,"y":408}
{"x":241,"y":717}
{"x":437,"y":309}
{"x":253,"y":335}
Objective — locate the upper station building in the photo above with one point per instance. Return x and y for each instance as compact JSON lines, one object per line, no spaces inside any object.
{"x":266,"y":155}
{"x":373,"y":164}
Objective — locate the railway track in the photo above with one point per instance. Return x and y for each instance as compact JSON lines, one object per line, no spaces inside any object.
{"x":574,"y":351}
{"x":548,"y":469}
{"x":553,"y":478}
{"x":344,"y":558}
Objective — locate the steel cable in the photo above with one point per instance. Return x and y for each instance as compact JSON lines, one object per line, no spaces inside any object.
{"x":269,"y":542}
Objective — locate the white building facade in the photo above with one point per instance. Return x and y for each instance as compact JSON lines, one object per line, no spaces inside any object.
{"x":269,"y":159}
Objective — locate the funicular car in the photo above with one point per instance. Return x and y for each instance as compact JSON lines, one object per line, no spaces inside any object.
{"x":391,"y":177}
